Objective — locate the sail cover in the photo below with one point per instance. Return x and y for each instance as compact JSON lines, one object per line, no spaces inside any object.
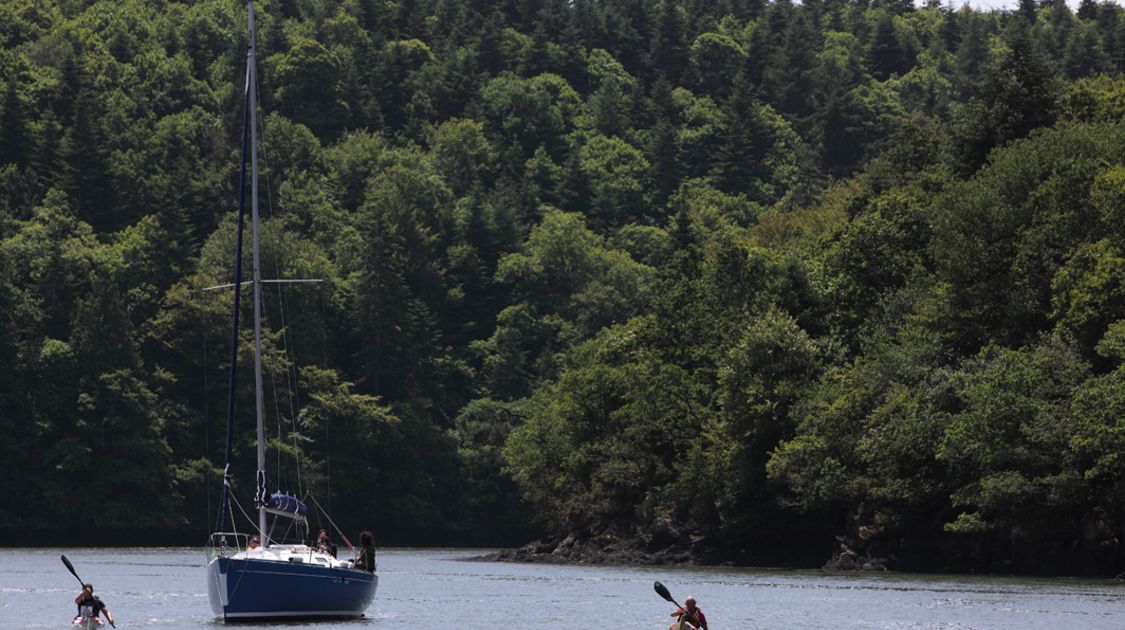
{"x":287,"y":505}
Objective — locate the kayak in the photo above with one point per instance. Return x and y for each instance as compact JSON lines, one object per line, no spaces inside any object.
{"x":87,"y":623}
{"x":682,"y":624}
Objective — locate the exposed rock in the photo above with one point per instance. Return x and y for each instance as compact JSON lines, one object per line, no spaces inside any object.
{"x":664,"y":544}
{"x":867,"y":551}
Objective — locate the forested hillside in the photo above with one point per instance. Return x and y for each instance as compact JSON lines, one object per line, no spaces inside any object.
{"x":719,"y":279}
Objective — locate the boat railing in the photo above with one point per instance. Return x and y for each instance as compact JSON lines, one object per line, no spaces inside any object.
{"x":223,"y":543}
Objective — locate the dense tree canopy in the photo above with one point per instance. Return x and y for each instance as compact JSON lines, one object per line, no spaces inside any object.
{"x":729,"y":274}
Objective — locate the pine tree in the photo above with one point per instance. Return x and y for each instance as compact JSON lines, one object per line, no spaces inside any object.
{"x":1087,"y":9}
{"x":15,"y":139}
{"x":950,"y":29}
{"x":661,"y":148}
{"x":610,"y":106}
{"x":756,"y":145}
{"x":799,"y":53}
{"x":627,"y":29}
{"x":488,"y":44}
{"x":669,"y":50}
{"x":574,"y":193}
{"x":383,"y":296}
{"x":885,"y":55}
{"x":47,"y":161}
{"x":537,"y":59}
{"x":1084,"y":55}
{"x":765,"y":55}
{"x":406,"y":20}
{"x":1062,"y":22}
{"x":1016,"y":95}
{"x":86,"y":176}
{"x":375,"y":16}
{"x":573,"y":45}
{"x":972,"y":53}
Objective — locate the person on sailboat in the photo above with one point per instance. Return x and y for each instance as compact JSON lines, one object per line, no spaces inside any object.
{"x":324,"y":545}
{"x":90,"y":606}
{"x":365,"y":558}
{"x":692,"y":616}
{"x":254,"y":543}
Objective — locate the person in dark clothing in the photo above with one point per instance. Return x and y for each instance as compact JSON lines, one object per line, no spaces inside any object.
{"x":365,"y":554}
{"x":693,"y":616}
{"x":324,"y":545}
{"x":91,"y":606}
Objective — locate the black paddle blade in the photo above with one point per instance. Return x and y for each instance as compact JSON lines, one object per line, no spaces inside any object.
{"x":662,"y":591}
{"x":69,"y":566}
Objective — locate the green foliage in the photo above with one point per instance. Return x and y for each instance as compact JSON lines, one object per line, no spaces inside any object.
{"x":1098,"y":99}
{"x":1090,"y":293}
{"x":714,"y":58}
{"x":1006,"y":232}
{"x":759,"y":380}
{"x":615,"y":172}
{"x":567,"y":286}
{"x":598,"y":445}
{"x":1015,"y":96}
{"x":745,"y":268}
{"x":759,"y":153}
{"x":867,"y":429}
{"x":1006,"y":441}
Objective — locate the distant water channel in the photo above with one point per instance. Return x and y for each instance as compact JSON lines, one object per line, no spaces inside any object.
{"x":428,"y":589}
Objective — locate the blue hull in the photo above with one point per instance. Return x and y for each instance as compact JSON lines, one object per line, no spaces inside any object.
{"x":247,"y":589}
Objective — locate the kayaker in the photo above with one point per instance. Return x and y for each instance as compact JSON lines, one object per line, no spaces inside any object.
{"x":90,"y":606}
{"x":692,"y":614}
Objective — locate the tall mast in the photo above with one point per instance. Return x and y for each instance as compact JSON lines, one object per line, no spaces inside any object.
{"x":259,"y":406}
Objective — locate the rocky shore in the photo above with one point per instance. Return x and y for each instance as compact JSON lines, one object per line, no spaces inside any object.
{"x":662,"y":542}
{"x":866,"y":548}
{"x":665,"y":542}
{"x":602,"y":549}
{"x":865,"y":552}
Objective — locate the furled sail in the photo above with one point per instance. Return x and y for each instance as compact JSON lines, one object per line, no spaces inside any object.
{"x":287,"y":505}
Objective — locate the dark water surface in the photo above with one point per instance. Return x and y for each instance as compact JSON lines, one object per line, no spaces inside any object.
{"x":428,"y":589}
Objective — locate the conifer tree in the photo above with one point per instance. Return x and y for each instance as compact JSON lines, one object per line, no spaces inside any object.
{"x":669,"y":49}
{"x":537,"y":58}
{"x":799,"y":55}
{"x":15,"y":138}
{"x":1084,"y":55}
{"x":1016,"y":95}
{"x":661,"y":148}
{"x":885,"y":54}
{"x":1087,"y":9}
{"x":765,"y":55}
{"x":86,"y":175}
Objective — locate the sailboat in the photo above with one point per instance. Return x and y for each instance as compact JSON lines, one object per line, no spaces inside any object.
{"x":256,"y":578}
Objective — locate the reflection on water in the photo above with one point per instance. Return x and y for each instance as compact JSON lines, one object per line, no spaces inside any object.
{"x":440,"y":588}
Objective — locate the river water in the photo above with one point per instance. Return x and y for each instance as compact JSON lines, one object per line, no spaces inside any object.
{"x":428,"y":589}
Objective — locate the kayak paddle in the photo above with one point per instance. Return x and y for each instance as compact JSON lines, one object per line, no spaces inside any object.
{"x":662,"y":591}
{"x":70,"y":567}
